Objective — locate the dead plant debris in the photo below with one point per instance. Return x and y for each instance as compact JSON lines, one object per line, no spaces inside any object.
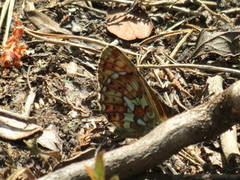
{"x":65,"y":124}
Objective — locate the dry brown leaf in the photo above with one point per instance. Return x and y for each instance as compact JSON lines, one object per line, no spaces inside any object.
{"x":50,"y":139}
{"x":224,"y":43}
{"x":134,"y":25}
{"x":24,"y":173}
{"x":14,"y":126}
{"x":45,"y":23}
{"x":77,"y":157}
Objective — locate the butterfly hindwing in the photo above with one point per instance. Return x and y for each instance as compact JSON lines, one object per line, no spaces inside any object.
{"x":126,"y":99}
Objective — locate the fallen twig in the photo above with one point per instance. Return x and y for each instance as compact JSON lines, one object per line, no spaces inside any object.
{"x":202,"y":122}
{"x":196,"y":66}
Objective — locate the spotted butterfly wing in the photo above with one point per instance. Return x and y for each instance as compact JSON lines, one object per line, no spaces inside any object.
{"x":125,"y":98}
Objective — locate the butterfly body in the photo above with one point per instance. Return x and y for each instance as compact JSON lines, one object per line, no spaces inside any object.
{"x":126,"y":99}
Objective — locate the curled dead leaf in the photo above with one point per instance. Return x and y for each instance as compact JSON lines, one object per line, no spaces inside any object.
{"x":223,"y":43}
{"x":50,"y":139}
{"x":134,"y":25}
{"x":14,"y":126}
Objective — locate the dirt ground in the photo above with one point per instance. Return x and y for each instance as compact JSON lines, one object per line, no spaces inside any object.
{"x":62,"y":80}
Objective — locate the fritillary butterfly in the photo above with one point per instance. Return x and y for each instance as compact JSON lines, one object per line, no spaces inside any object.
{"x":126,"y":99}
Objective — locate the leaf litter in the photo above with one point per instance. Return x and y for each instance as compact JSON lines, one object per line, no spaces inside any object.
{"x":65,"y":83}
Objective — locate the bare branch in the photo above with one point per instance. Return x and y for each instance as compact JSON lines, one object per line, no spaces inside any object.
{"x":203,"y":122}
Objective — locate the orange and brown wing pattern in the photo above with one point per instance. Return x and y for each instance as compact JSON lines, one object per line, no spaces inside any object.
{"x":126,"y":99}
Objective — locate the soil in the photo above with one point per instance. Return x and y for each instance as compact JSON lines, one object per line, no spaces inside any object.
{"x":67,"y":99}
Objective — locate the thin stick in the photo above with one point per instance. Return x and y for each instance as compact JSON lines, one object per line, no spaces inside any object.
{"x":179,"y":45}
{"x":196,"y":66}
{"x":13,"y":115}
{"x":51,"y":38}
{"x":54,"y":41}
{"x":172,"y":77}
{"x":183,"y":10}
{"x":222,"y":17}
{"x":3,"y":12}
{"x":169,"y":72}
{"x":165,"y":34}
{"x":231,"y":11}
{"x":9,"y":20}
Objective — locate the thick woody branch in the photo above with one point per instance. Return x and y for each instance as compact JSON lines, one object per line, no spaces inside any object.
{"x":205,"y":121}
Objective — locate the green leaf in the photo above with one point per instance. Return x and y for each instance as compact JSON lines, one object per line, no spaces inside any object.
{"x":115,"y":177}
{"x":99,"y":170}
{"x":91,"y":173}
{"x":99,"y":166}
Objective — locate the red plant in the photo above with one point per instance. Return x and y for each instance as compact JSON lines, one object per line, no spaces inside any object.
{"x":12,"y":51}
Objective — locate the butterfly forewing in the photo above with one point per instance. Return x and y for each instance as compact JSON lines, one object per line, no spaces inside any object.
{"x":126,"y":99}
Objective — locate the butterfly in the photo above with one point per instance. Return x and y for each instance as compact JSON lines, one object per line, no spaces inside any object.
{"x":126,"y":99}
